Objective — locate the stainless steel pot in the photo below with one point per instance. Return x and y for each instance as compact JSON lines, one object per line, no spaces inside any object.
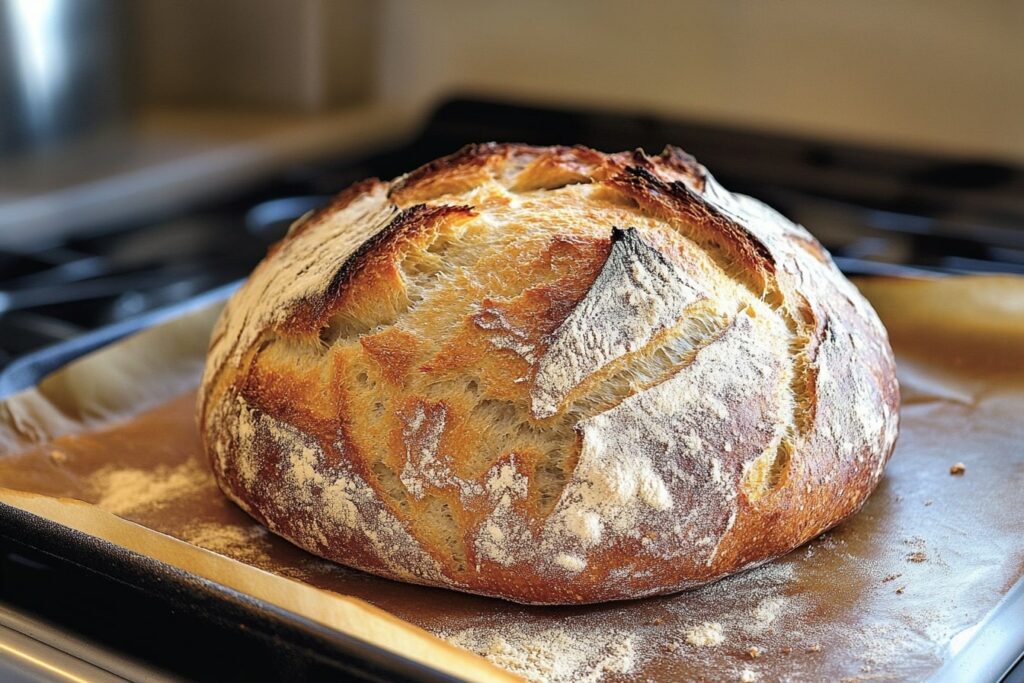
{"x":61,"y":70}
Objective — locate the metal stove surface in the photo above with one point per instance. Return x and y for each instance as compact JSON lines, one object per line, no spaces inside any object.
{"x":879,"y":212}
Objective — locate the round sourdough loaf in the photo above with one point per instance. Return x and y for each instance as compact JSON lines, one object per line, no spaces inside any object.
{"x":550,"y":375}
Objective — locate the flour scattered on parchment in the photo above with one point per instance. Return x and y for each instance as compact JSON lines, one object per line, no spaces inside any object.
{"x":551,"y":655}
{"x":765,"y":614}
{"x":749,"y":603}
{"x":240,"y":543}
{"x":126,"y":490}
{"x":738,"y":613}
{"x":708,"y":634}
{"x":883,"y":645}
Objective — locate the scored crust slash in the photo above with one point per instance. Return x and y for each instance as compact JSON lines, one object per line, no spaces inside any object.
{"x":550,"y":375}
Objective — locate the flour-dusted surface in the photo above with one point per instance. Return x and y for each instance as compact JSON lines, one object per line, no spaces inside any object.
{"x":624,"y":489}
{"x":764,"y":610}
{"x":708,"y":634}
{"x":348,"y":506}
{"x":248,"y":543}
{"x":272,"y":292}
{"x":130,"y":489}
{"x":552,"y":655}
{"x":637,"y":295}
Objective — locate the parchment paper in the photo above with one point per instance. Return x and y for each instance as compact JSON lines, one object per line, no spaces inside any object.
{"x":888,"y":595}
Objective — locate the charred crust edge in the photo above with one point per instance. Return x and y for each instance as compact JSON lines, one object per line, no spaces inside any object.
{"x":619,"y":234}
{"x":407,"y":222}
{"x":309,"y":313}
{"x":684,"y":202}
{"x":476,"y":154}
{"x":677,"y":159}
{"x":630,"y":239}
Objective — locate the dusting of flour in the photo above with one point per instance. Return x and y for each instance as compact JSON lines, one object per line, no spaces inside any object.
{"x":246,"y":543}
{"x":348,"y":506}
{"x":124,"y":490}
{"x":637,"y":294}
{"x":733,"y":617}
{"x":551,"y":655}
{"x":645,"y":474}
{"x":708,"y":634}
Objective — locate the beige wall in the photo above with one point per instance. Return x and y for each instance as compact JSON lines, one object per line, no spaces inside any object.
{"x":294,"y":55}
{"x":942,"y":74}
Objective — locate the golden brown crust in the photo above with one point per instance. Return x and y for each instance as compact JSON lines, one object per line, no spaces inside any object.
{"x":551,"y":375}
{"x":338,"y":203}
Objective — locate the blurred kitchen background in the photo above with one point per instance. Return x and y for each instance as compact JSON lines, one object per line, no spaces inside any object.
{"x":150,"y":150}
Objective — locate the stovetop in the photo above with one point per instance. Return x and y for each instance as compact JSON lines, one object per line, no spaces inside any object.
{"x":878,"y":211}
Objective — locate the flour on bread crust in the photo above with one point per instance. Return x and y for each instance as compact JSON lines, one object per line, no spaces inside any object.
{"x":551,"y":375}
{"x":637,"y":294}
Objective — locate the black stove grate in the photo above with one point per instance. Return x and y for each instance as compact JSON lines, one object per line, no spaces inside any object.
{"x":878,"y":211}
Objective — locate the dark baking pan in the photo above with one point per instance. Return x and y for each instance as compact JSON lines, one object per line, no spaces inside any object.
{"x":201,"y":630}
{"x":177,"y":623}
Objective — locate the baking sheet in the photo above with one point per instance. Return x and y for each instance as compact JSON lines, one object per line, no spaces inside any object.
{"x":888,"y":595}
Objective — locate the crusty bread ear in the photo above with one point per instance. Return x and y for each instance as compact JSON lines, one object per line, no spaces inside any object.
{"x":550,"y":375}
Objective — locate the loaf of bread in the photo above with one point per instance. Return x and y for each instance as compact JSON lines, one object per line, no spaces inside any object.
{"x":550,"y":375}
